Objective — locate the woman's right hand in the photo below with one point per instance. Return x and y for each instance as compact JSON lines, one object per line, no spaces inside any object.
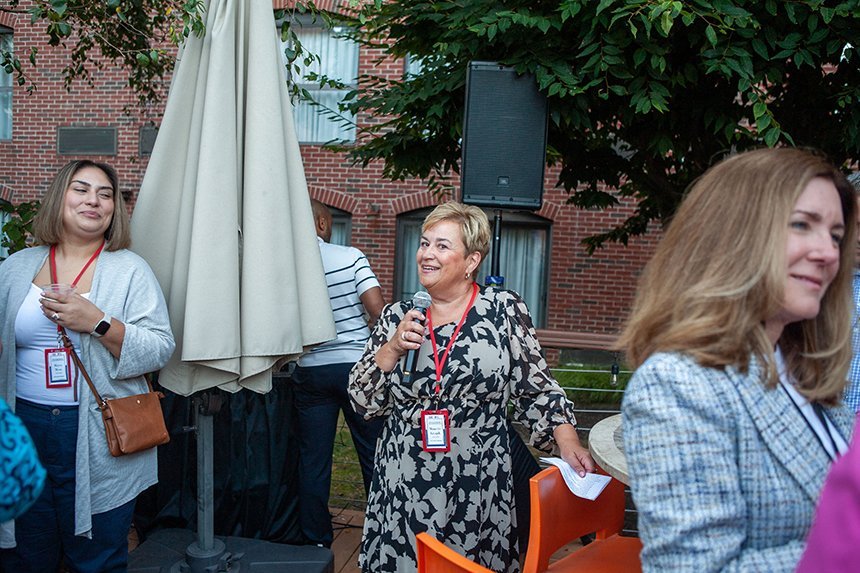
{"x":408,"y":336}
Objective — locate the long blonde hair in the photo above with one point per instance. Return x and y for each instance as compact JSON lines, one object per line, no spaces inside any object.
{"x":719,"y":273}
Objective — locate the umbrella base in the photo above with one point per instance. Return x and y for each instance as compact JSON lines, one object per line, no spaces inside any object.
{"x":176,"y":551}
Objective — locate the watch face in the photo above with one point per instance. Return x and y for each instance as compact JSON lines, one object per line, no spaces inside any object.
{"x":102,"y":328}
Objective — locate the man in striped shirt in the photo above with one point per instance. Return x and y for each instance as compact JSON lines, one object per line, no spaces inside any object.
{"x":321,"y":377}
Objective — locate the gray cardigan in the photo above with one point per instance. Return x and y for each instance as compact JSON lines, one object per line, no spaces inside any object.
{"x":125,"y":288}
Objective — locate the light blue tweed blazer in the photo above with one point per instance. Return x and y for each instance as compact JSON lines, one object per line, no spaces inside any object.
{"x":724,"y":472}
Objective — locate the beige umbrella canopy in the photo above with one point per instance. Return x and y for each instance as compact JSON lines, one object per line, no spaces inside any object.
{"x":223,"y":216}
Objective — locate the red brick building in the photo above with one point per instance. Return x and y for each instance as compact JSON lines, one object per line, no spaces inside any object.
{"x":568,"y":291}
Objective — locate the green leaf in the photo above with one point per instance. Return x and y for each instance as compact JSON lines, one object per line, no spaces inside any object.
{"x":812,"y":22}
{"x":666,"y":22}
{"x":142,"y":59}
{"x":760,"y":48}
{"x":543,"y":25}
{"x":59,"y":6}
{"x":771,"y":136}
{"x":603,"y":5}
{"x":711,"y":35}
{"x":770,"y":6}
{"x":789,"y":11}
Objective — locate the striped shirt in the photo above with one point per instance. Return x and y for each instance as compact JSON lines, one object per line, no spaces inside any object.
{"x":348,"y":275}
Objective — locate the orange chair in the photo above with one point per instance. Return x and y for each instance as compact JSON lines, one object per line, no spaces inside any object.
{"x":435,"y":557}
{"x":559,"y":517}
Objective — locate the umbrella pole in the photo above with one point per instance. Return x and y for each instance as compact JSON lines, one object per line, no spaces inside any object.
{"x":205,"y":482}
{"x":206,"y":551}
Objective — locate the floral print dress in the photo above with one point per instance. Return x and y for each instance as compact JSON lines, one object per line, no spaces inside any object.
{"x":463,"y":497}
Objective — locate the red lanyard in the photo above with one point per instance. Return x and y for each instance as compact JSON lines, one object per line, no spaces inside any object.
{"x":440,"y":363}
{"x":53,"y":264}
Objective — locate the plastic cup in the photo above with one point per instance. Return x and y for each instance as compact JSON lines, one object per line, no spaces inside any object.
{"x":58,"y":288}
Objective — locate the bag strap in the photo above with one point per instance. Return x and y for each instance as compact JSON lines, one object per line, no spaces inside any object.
{"x":80,"y":365}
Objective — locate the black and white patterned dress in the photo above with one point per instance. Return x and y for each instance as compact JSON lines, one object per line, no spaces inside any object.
{"x":463,"y":497}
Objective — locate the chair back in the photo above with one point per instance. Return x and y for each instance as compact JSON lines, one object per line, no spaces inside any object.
{"x":435,"y":557}
{"x":559,"y":517}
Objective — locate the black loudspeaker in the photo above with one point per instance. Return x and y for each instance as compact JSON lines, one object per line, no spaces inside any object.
{"x":504,"y":138}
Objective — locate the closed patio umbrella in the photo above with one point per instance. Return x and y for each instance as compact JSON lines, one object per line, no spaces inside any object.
{"x":223,"y":218}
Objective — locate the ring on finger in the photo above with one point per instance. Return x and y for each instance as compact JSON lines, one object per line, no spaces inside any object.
{"x":55,"y":317}
{"x":402,"y":336}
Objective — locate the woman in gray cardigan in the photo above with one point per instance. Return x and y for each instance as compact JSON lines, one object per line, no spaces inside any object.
{"x":117,"y":318}
{"x":741,"y":335}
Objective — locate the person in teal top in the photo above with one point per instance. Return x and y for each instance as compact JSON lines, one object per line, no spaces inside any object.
{"x":21,"y":474}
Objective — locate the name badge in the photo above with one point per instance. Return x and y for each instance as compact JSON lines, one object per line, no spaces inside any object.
{"x":58,"y":372}
{"x":435,"y":431}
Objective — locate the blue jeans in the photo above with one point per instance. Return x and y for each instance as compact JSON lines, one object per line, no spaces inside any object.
{"x":46,"y":532}
{"x":320,"y":394}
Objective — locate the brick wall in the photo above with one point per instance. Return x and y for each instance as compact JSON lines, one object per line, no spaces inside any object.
{"x":587,"y":293}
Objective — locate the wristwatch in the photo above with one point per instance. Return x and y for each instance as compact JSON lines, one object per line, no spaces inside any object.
{"x":102,"y":327}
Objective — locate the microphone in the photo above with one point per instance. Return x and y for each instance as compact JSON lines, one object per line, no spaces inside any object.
{"x":421,"y":301}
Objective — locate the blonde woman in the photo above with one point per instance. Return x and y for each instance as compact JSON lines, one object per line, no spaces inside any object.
{"x":741,"y":335}
{"x":443,"y":460}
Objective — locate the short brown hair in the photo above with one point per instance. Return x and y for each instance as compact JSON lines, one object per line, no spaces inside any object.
{"x":48,"y":222}
{"x":719,"y":273}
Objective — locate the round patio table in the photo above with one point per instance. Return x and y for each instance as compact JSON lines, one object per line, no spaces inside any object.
{"x":607,"y":447}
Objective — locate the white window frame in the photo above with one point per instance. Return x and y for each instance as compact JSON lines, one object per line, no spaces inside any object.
{"x":315,"y":124}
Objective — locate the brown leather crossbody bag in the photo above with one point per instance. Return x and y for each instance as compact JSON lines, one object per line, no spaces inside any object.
{"x":132,"y":424}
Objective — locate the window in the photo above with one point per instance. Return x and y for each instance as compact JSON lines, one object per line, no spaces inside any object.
{"x":5,"y":88}
{"x":338,"y":59}
{"x":341,"y":227}
{"x":523,"y":260}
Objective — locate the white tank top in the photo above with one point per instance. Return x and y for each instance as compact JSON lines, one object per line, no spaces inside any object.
{"x":33,"y":334}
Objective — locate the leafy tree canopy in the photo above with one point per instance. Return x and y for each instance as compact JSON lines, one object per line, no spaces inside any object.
{"x":136,"y":35}
{"x":644,"y":95}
